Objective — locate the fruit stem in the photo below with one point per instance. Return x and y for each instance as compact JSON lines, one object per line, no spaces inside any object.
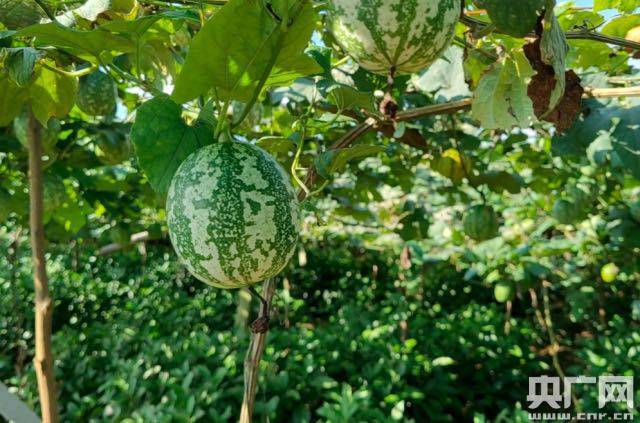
{"x":222,"y":118}
{"x":261,"y":324}
{"x":72,"y":74}
{"x":388,"y":106}
{"x":296,"y":159}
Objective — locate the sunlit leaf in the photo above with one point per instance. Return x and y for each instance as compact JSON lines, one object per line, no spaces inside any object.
{"x":162,"y":140}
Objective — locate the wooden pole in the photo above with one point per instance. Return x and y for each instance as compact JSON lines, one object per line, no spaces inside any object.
{"x":252,"y":360}
{"x":43,"y":359}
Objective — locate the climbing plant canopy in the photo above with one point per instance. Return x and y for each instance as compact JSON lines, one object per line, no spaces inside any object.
{"x":367,"y":111}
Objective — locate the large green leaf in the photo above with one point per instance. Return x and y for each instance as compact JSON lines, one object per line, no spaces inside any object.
{"x":620,"y":26}
{"x":603,"y":128}
{"x":94,"y":46}
{"x":501,"y":101}
{"x":594,"y":119}
{"x":345,"y":97}
{"x":626,"y":6}
{"x":51,"y":94}
{"x":445,"y":77}
{"x":234,"y":49}
{"x":140,"y":26}
{"x":162,"y":140}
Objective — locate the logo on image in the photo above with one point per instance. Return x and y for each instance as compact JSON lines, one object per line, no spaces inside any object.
{"x":558,"y":395}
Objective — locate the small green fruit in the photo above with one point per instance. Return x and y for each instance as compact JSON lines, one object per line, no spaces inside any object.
{"x":503,"y":291}
{"x":97,"y":94}
{"x":481,"y":223}
{"x":565,"y":212}
{"x":113,"y":149}
{"x":609,"y":272}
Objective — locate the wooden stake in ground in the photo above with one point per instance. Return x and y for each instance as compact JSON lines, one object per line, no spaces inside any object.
{"x":43,"y":359}
{"x":252,"y":359}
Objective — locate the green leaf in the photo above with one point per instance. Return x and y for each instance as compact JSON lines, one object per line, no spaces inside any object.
{"x":20,"y":63}
{"x":626,"y":6}
{"x":415,"y":223}
{"x":345,"y":97}
{"x":445,"y":77}
{"x":620,"y":26}
{"x":141,"y":25}
{"x":289,"y":70}
{"x":499,"y":181}
{"x":234,"y":49}
{"x":452,"y":165}
{"x":52,"y":94}
{"x":94,"y":46}
{"x":585,"y":54}
{"x":334,"y":161}
{"x":11,"y":100}
{"x":162,"y":140}
{"x":12,"y":203}
{"x":501,"y":100}
{"x":594,"y":133}
{"x":554,"y":49}
{"x":594,"y":119}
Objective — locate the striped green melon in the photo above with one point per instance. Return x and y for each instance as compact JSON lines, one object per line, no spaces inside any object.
{"x":233,"y":215}
{"x":97,"y":94}
{"x":406,"y":35}
{"x":481,"y":223}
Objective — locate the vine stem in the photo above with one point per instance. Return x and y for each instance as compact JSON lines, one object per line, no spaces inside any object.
{"x":71,"y":74}
{"x":222,"y":118}
{"x":296,"y":160}
{"x":571,"y":35}
{"x":43,"y":358}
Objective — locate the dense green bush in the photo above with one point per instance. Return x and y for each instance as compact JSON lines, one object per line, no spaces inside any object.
{"x":358,"y":337}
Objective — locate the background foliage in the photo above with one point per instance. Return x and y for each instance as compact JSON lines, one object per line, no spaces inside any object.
{"x":390,"y":311}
